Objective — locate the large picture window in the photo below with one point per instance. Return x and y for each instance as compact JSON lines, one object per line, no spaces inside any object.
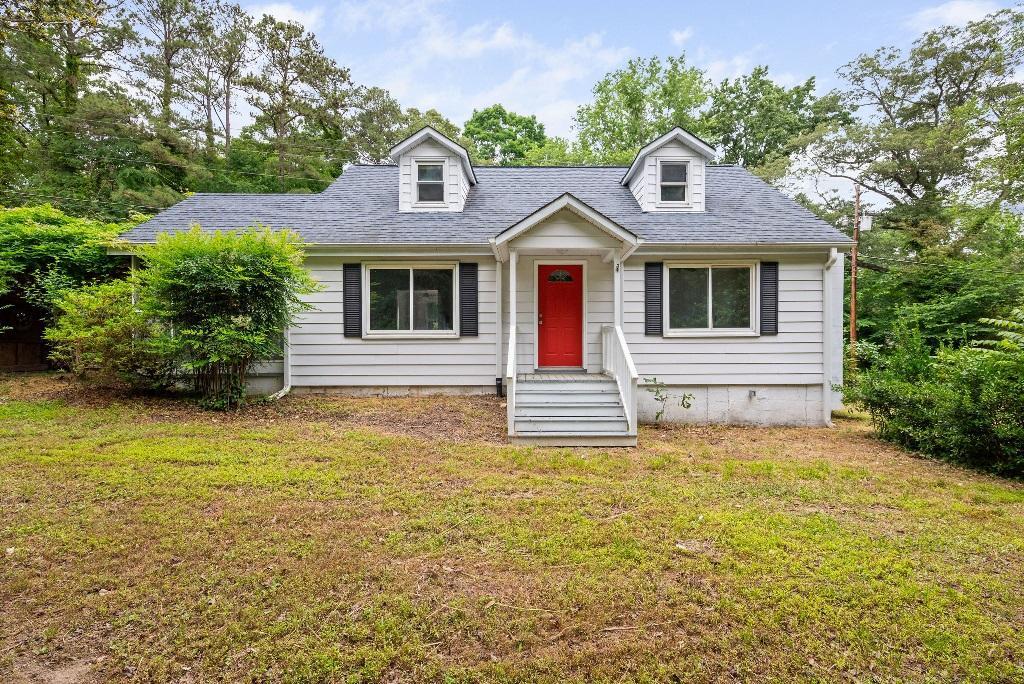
{"x":411,"y":299}
{"x":710,"y":298}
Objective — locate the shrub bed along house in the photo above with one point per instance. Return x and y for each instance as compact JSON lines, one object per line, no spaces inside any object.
{"x":204,"y":307}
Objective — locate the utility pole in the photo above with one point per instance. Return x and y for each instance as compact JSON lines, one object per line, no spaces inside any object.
{"x":853,"y":272}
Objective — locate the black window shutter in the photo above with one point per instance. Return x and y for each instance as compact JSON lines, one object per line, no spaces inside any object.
{"x":653,"y":276}
{"x":769,"y":297}
{"x":352,"y":299}
{"x":468,"y":299}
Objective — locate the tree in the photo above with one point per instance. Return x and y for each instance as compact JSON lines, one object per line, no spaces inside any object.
{"x":639,"y":102}
{"x":232,"y":30}
{"x":752,"y":120}
{"x":934,"y":125}
{"x":294,"y":84}
{"x":415,"y":120}
{"x":168,"y":31}
{"x":503,"y":137}
{"x":555,"y":152}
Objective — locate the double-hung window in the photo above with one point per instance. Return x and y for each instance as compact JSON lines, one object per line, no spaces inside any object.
{"x":429,"y":182}
{"x":416,"y":299}
{"x":673,"y":182}
{"x":712,"y":299}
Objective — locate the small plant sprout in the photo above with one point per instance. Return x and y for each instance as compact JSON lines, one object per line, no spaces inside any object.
{"x":662,"y":396}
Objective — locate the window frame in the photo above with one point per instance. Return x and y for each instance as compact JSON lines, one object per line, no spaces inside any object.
{"x":429,"y":161}
{"x":754,"y":267}
{"x":689,"y":195}
{"x":411,"y":333}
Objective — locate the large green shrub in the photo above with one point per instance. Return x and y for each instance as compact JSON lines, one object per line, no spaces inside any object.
{"x":101,"y":334}
{"x":228,"y":297}
{"x":44,"y":252}
{"x":964,"y":405}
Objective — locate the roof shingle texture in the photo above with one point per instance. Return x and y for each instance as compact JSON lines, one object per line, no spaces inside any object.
{"x":361,"y":207}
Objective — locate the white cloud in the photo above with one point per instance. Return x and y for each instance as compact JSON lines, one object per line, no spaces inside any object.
{"x":390,"y":15}
{"x":954,"y":12}
{"x":433,"y":61}
{"x":680,"y":36}
{"x":285,"y":11}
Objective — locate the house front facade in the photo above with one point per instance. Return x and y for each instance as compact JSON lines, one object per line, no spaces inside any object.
{"x":592,"y":298}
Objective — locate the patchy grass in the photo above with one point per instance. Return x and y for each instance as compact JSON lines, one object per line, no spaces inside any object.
{"x":324,"y":539}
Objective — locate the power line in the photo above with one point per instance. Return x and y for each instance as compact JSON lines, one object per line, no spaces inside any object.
{"x":29,"y":194}
{"x":932,"y":264}
{"x":310,"y":146}
{"x":176,"y":166}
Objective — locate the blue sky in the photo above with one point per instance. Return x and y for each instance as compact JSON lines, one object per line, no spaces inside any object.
{"x":543,"y":57}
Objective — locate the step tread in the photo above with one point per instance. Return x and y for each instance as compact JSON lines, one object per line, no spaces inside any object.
{"x":568,"y":418}
{"x":562,"y":404}
{"x":580,"y":433}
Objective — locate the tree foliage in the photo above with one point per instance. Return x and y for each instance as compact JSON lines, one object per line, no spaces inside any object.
{"x":753,"y":120}
{"x":43,"y":252}
{"x":633,"y":105}
{"x":935,"y":125}
{"x":503,"y":137}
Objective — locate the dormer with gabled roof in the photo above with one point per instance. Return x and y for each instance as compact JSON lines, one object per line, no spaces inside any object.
{"x":668,"y":173}
{"x":435,"y":172}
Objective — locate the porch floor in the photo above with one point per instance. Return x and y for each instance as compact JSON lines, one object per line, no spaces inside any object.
{"x":564,"y":376}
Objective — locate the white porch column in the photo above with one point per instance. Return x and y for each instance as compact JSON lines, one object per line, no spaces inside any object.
{"x":499,"y":330}
{"x":513,"y":266}
{"x":617,"y":287}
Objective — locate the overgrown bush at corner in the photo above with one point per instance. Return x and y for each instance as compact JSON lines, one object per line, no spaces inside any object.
{"x":964,"y":405}
{"x":44,"y":252}
{"x":101,"y":335}
{"x":228,"y":297}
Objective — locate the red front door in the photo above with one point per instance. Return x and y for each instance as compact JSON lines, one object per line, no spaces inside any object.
{"x":560,"y":316}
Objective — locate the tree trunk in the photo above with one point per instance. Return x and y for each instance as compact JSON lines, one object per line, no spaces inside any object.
{"x":280,"y":156}
{"x":227,"y":117}
{"x":72,"y":72}
{"x":209,"y":123}
{"x":165,"y":95}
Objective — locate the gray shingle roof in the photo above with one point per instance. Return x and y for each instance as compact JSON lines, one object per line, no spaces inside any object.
{"x":361,"y":207}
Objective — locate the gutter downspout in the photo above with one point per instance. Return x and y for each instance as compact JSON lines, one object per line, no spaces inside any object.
{"x":827,"y":333}
{"x":287,"y":369}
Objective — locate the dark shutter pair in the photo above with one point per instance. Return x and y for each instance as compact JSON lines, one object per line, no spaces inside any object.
{"x":654,"y":289}
{"x":352,"y":299}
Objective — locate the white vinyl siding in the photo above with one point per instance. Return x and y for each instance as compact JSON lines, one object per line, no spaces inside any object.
{"x":646,"y":189}
{"x":322,"y":356}
{"x":456,"y":185}
{"x":793,"y":357}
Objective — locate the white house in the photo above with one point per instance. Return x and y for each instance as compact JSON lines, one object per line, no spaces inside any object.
{"x":575,"y":292}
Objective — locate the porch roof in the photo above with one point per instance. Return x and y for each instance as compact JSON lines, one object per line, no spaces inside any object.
{"x":567,"y":202}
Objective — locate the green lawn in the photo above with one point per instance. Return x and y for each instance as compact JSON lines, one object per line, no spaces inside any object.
{"x":354,"y":540}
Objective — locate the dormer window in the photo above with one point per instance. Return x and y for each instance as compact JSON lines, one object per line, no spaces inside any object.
{"x":430,"y":182}
{"x":673,"y":181}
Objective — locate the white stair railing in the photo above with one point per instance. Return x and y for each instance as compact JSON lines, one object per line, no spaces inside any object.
{"x":617,"y":362}
{"x":510,"y":379}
